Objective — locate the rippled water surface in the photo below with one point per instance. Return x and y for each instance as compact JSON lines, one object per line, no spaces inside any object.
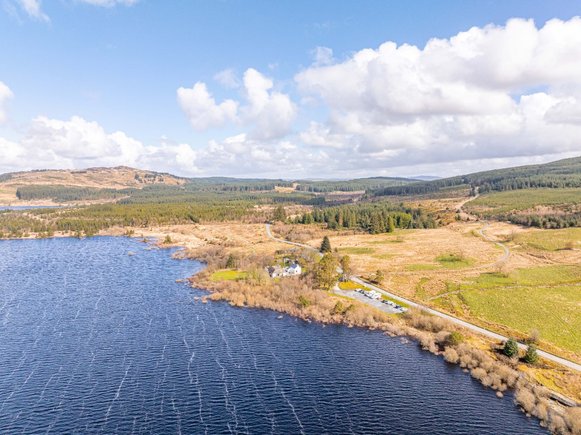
{"x":93,"y":339}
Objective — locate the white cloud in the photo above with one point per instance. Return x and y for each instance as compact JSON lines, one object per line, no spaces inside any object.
{"x":5,"y":95}
{"x":77,"y":143}
{"x":227,"y":78}
{"x":271,"y":112}
{"x":267,"y":113}
{"x":33,"y":9}
{"x":202,"y":110}
{"x":467,"y":97}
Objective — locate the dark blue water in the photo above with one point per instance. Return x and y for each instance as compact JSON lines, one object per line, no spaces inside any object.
{"x":25,"y":207}
{"x":95,"y":340}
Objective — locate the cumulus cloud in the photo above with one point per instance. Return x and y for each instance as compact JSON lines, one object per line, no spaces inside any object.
{"x":202,"y":110}
{"x":5,"y":95}
{"x":473,"y":96}
{"x":268,"y":114}
{"x":77,"y":143}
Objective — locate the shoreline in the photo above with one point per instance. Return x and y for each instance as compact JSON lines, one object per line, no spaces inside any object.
{"x":548,"y":406}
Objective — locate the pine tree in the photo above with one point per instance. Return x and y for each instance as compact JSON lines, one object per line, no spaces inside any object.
{"x":326,"y":272}
{"x":346,"y":265}
{"x":279,"y":214}
{"x":231,"y":262}
{"x":326,"y":245}
{"x":510,"y":348}
{"x":531,"y":356}
{"x":390,"y":225}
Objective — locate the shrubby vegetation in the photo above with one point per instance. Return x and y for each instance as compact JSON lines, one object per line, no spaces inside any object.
{"x":374,"y":218}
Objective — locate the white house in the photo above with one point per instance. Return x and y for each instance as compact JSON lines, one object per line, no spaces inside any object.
{"x":294,"y":269}
{"x":277,"y":271}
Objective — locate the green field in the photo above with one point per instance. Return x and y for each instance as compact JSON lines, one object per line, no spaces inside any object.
{"x":350,"y":285}
{"x":553,"y":240}
{"x":228,"y":275}
{"x":544,"y":298}
{"x":453,"y":261}
{"x":517,"y":200}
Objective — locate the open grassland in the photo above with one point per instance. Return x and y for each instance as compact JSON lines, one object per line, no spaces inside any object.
{"x":547,"y":299}
{"x":518,"y":200}
{"x":554,"y":240}
{"x":443,"y":249}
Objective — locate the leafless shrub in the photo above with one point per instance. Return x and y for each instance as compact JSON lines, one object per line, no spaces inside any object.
{"x":526,"y":399}
{"x":478,"y":373}
{"x":451,"y":355}
{"x":573,"y":419}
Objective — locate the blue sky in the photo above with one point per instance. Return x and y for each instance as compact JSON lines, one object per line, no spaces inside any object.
{"x":120,"y":66}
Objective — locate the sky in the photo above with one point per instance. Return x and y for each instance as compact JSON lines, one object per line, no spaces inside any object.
{"x":289,"y":88}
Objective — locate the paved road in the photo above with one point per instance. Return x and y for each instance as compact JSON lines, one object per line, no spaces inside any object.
{"x":455,"y":320}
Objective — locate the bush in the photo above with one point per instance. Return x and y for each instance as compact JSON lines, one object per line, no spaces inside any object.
{"x":304,"y":302}
{"x":510,"y":348}
{"x":531,"y":356}
{"x":455,"y":338}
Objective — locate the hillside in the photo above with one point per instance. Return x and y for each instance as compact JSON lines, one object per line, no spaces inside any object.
{"x":91,"y":184}
{"x":120,"y":177}
{"x":559,"y":174}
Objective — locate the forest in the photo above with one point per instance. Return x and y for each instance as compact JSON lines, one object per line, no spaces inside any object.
{"x":355,"y":185}
{"x":374,"y":218}
{"x":560,"y":174}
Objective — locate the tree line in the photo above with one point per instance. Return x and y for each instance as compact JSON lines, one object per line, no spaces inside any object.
{"x":374,"y":218}
{"x":561,"y":174}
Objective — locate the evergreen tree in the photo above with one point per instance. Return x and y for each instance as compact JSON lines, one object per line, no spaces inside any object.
{"x":231,"y":262}
{"x":326,"y":245}
{"x":279,"y":214}
{"x":531,"y":356}
{"x":390,"y":225}
{"x":326,"y":272}
{"x":510,"y":348}
{"x":346,"y":265}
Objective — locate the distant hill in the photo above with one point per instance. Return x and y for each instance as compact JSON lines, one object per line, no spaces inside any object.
{"x":559,"y":174}
{"x":120,"y":177}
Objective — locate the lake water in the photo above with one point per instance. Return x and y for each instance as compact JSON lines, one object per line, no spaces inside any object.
{"x":95,"y":340}
{"x":24,"y":207}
